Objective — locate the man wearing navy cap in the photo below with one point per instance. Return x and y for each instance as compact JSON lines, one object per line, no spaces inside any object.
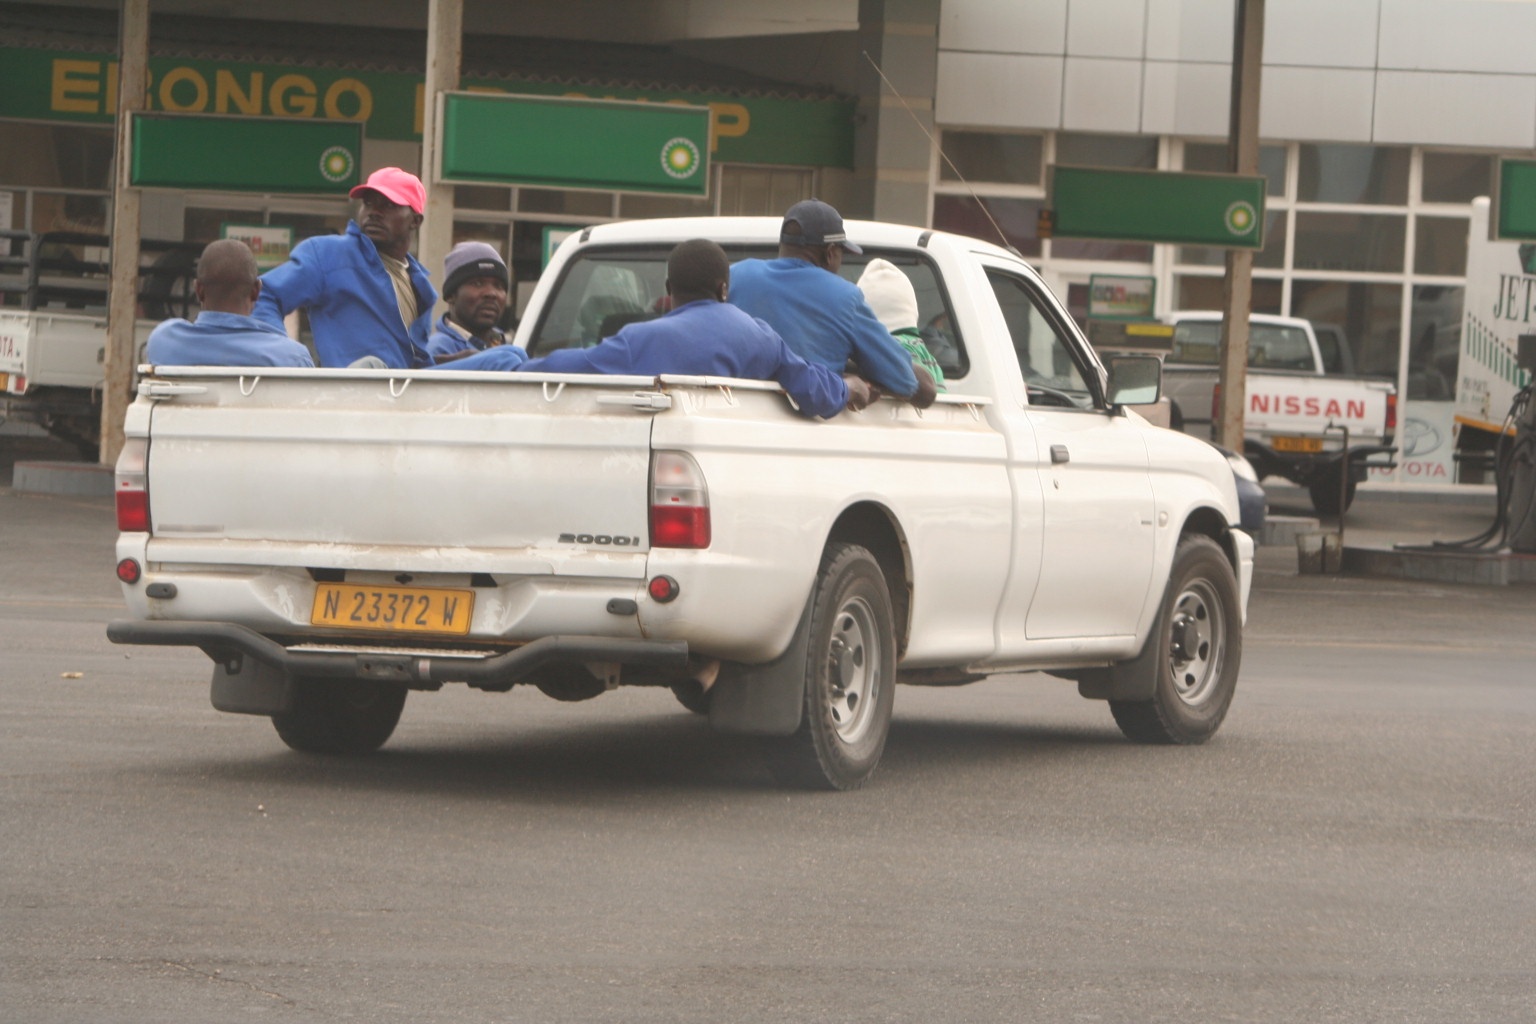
{"x":365,"y":293}
{"x":820,"y":315}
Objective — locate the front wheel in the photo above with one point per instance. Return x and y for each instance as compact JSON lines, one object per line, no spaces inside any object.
{"x":340,"y":716}
{"x":1194,"y":651}
{"x":850,"y":677}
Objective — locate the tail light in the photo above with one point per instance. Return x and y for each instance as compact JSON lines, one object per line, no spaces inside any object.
{"x":1392,"y":412}
{"x":679,"y":502}
{"x":132,"y":486}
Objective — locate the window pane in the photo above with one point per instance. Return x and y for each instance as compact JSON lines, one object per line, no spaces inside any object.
{"x":965,"y":216}
{"x":54,"y":212}
{"x":1082,"y":150}
{"x":1434,"y":342}
{"x":762,"y":191}
{"x":1369,"y":315}
{"x":55,"y":156}
{"x":1092,"y":249}
{"x":1271,"y":257}
{"x":1457,"y":177}
{"x":1206,"y":293}
{"x":987,"y":156}
{"x":482,"y":197}
{"x":1339,"y":173}
{"x":638,"y":207}
{"x":581,"y":204}
{"x":1440,"y":245}
{"x":1350,"y":241}
{"x":1044,"y":357}
{"x":1212,"y":156}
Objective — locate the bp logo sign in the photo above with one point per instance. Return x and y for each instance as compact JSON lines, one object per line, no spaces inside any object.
{"x":680,"y":157}
{"x":336,"y":163}
{"x":1241,"y":218}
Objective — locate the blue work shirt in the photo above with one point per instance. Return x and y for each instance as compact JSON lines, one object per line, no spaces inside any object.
{"x":705,"y":339}
{"x":497,"y":357}
{"x":223,"y":339}
{"x":448,"y":337}
{"x":822,"y":317}
{"x":353,"y":312}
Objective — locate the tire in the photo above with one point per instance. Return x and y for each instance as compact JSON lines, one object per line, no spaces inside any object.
{"x":1194,"y":650}
{"x":1325,"y":493}
{"x":340,"y":716}
{"x":850,"y":677}
{"x":692,"y":696}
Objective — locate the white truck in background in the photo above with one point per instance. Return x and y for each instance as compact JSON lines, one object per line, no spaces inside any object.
{"x":1301,"y":423}
{"x":333,"y":538}
{"x":53,"y":325}
{"x":1499,"y":306}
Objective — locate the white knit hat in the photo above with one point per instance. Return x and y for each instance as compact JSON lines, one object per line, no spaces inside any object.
{"x":889,"y":294}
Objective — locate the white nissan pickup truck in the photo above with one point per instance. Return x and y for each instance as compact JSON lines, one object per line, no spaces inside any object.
{"x":334,"y":539}
{"x":1318,"y":429}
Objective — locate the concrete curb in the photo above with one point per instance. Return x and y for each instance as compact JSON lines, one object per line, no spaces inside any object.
{"x":1482,"y":568}
{"x":78,"y":478}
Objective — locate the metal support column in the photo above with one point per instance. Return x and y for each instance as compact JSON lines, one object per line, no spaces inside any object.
{"x":897,"y":83}
{"x":1243,"y":157}
{"x":123,"y":292}
{"x":445,"y":50}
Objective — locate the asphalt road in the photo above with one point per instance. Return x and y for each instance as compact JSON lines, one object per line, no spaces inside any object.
{"x":1357,"y":844}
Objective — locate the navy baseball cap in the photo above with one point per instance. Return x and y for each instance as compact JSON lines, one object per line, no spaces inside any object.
{"x":819,"y":224}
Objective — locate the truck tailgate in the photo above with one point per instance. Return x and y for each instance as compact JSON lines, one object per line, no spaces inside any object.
{"x":1302,"y":406}
{"x":362,"y":479}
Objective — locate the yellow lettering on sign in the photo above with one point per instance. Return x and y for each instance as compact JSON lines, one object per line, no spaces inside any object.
{"x":112,"y":87}
{"x":76,"y":84}
{"x":293,"y":95}
{"x":342,"y":87}
{"x":727,"y":120}
{"x":175,"y":77}
{"x":227,"y":93}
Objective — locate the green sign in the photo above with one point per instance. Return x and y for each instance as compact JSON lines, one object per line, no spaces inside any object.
{"x":64,"y":86}
{"x":243,"y":154}
{"x":1119,"y":297}
{"x":1222,"y":210}
{"x":1514,"y":216}
{"x":564,"y":143}
{"x":554,"y":234}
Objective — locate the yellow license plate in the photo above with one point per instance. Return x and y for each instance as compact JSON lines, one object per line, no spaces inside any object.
{"x":1297,"y":444}
{"x":400,"y":609}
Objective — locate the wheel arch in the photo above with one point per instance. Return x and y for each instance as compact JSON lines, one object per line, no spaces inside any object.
{"x":875,"y":528}
{"x":1209,"y":522}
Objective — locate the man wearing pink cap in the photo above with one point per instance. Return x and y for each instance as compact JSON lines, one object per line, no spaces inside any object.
{"x":365,"y":293}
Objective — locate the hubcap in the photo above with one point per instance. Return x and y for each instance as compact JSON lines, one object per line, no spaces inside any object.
{"x":853,"y":669}
{"x":1196,"y":644}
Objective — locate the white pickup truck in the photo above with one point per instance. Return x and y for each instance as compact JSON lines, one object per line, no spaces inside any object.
{"x":334,"y":538}
{"x":1301,"y":423}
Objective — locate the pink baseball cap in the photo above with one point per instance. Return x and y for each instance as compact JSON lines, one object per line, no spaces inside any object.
{"x":397,"y":186}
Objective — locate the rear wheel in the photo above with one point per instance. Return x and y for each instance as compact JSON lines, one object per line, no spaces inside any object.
{"x":340,"y":716}
{"x":1194,"y":651}
{"x":1326,"y":497}
{"x":850,"y":683}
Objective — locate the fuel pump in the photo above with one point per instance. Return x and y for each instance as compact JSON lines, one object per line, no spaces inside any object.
{"x":1522,"y":458}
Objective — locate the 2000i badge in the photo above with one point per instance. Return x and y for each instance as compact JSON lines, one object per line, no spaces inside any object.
{"x":600,"y":538}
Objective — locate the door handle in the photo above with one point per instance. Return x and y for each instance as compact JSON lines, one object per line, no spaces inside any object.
{"x":1059,"y":454}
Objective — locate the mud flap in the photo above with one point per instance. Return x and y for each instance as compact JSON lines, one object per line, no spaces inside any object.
{"x":764,"y":700}
{"x":253,"y":688}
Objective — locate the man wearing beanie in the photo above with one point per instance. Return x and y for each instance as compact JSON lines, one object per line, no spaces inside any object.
{"x":475,"y":288}
{"x":893,"y":300}
{"x":821,"y":316}
{"x":365,"y":293}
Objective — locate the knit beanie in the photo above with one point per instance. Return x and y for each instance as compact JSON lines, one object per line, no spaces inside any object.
{"x":890,"y":294}
{"x":471,"y":259}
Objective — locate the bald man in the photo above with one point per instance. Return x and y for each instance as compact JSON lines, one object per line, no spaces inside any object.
{"x":225,"y":333}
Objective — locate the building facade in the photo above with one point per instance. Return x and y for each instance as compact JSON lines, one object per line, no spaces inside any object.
{"x":1380,"y":121}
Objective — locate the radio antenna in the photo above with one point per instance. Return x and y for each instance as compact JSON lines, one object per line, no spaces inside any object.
{"x":944,"y":156}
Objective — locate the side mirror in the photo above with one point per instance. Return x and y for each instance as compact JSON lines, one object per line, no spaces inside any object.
{"x":1135,"y":380}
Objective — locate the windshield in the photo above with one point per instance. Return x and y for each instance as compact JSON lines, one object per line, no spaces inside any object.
{"x":605,"y":288}
{"x":1270,"y":346}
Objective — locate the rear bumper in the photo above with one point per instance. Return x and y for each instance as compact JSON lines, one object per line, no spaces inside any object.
{"x":227,"y":644}
{"x":1303,"y":468}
